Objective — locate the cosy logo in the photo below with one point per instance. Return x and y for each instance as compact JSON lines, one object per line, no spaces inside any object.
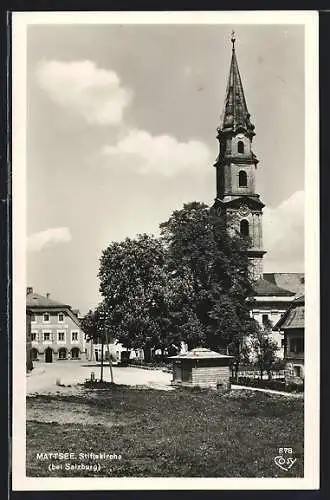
{"x":284,"y":459}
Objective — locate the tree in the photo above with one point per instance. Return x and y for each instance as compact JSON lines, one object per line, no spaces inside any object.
{"x":190,"y":285}
{"x":134,"y":283}
{"x":264,"y":348}
{"x":89,"y":325}
{"x":202,"y":251}
{"x":95,"y":325}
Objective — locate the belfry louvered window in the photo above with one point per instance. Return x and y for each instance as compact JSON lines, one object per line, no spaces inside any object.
{"x":242,"y":179}
{"x":244,"y":227}
{"x":240,"y":147}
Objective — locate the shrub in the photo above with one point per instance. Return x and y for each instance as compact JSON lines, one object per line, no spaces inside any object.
{"x":165,"y":363}
{"x":275,"y":385}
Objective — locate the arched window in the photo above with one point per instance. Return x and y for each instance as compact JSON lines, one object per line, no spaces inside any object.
{"x":34,"y":354}
{"x":242,"y":178}
{"x":75,"y":352}
{"x":62,"y":354}
{"x":244,"y":227}
{"x":240,"y":146}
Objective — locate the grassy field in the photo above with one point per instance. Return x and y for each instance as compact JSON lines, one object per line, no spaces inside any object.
{"x":170,"y":434}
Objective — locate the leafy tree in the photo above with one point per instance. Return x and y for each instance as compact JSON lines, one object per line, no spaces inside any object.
{"x":264,"y":348}
{"x":190,"y":285}
{"x":95,"y":325}
{"x":215,"y":262}
{"x":134,"y":283}
{"x":89,"y":325}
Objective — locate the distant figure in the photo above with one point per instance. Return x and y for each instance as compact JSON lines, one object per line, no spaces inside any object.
{"x":69,"y":356}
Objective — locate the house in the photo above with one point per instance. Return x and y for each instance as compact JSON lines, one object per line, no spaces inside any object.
{"x":292,"y":324}
{"x":203,"y":368}
{"x":268,"y":304}
{"x":56,"y":334}
{"x":122,"y":354}
{"x":29,"y":363}
{"x":273,"y":295}
{"x":118,"y":352}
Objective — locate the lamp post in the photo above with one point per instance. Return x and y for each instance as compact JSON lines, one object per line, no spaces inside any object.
{"x":109,"y":355}
{"x":101,"y":330}
{"x":105,"y":334}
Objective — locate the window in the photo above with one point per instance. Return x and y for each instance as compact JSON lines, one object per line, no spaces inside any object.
{"x":34,"y":354}
{"x":62,"y":353}
{"x":33,"y":318}
{"x":61,"y":336}
{"x":297,"y":345}
{"x":74,"y":336}
{"x":46,"y":318}
{"x":244,"y":227}
{"x":297,"y":371}
{"x":302,"y":280}
{"x":242,"y":178}
{"x":240,"y":147}
{"x":265,"y":318}
{"x":47,"y":336}
{"x":75,"y":353}
{"x":33,"y":336}
{"x":60,"y":317}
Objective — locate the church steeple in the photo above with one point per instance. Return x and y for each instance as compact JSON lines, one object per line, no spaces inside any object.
{"x":236,"y":168}
{"x":235,"y":115}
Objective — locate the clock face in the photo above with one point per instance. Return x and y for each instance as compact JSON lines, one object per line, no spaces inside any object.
{"x":244,"y":210}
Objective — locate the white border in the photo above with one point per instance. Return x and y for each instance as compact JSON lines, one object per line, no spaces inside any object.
{"x":19,"y":32}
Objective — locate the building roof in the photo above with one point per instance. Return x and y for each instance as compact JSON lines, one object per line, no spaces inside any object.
{"x":252,"y":201}
{"x":200,"y":353}
{"x":295,"y":282}
{"x":36,"y":300}
{"x":235,"y":114}
{"x":266,"y":288}
{"x":294,"y":317}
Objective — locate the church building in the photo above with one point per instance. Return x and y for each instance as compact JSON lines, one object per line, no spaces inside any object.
{"x":238,"y":201}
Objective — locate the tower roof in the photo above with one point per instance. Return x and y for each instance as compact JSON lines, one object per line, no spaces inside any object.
{"x":235,"y":116}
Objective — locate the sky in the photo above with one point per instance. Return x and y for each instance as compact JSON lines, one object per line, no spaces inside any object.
{"x":121,"y":131}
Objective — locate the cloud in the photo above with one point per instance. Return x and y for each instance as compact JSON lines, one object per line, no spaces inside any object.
{"x":284,"y":231}
{"x":94,"y":93}
{"x":160,"y":154}
{"x":48,"y":237}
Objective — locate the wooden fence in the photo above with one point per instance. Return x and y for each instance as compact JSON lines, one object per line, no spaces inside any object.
{"x":280,"y":375}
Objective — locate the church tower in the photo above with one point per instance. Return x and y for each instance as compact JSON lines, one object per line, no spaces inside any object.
{"x":236,"y":168}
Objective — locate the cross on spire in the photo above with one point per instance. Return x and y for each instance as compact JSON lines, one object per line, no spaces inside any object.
{"x":233,"y":39}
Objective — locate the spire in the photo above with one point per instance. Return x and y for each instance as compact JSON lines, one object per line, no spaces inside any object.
{"x":235,"y":115}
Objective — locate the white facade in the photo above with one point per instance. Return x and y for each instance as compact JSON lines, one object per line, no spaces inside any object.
{"x":271,"y":309}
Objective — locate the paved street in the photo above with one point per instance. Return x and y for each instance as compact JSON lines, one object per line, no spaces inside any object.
{"x":43,"y":378}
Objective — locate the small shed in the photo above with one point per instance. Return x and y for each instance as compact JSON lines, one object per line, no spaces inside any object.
{"x":203,"y":368}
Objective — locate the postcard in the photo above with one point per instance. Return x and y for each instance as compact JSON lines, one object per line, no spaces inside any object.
{"x":165,"y":250}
